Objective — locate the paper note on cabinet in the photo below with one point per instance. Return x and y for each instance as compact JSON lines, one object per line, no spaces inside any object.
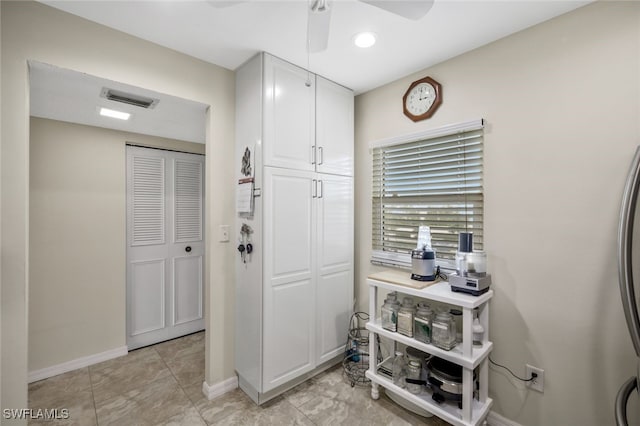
{"x":244,"y":196}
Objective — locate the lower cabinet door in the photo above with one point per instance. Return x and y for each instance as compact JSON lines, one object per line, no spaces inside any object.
{"x":334,"y":260}
{"x":288,"y":333}
{"x":333,"y":314}
{"x":289,"y":285}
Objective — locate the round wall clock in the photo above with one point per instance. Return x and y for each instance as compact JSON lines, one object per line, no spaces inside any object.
{"x":422,"y":99}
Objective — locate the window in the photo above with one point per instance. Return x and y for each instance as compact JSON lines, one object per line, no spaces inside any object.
{"x":433,"y":178}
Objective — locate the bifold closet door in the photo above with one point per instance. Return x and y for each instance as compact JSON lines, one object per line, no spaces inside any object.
{"x":165,"y":245}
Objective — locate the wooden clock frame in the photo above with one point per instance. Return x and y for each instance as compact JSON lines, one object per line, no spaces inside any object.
{"x":436,"y":103}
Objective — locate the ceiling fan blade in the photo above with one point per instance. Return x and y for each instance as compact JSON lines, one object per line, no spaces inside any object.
{"x":318,"y":31}
{"x":410,"y":9}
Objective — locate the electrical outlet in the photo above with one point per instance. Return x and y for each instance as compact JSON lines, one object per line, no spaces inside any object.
{"x":536,"y":384}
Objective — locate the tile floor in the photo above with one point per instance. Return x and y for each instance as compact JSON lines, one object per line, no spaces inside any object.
{"x":162,"y":385}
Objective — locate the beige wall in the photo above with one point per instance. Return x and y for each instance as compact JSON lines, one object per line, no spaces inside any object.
{"x":562,"y":103}
{"x":70,"y":42}
{"x":77,"y":238}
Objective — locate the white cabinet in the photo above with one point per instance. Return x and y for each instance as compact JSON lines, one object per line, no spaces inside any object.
{"x":334,"y":263}
{"x":294,"y":292}
{"x":308,"y":120}
{"x":471,"y":358}
{"x":308,"y":270}
{"x":289,"y":115}
{"x":289,"y":266}
{"x":334,"y":128}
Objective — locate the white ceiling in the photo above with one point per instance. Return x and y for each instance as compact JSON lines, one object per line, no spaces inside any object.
{"x":228,"y":36}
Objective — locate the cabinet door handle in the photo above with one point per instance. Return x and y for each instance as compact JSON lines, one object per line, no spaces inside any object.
{"x":314,"y":190}
{"x":321,"y":192}
{"x":321,"y":155}
{"x":313,"y":154}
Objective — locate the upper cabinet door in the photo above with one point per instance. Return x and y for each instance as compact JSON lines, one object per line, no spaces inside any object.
{"x":289,"y":115}
{"x":334,"y":128}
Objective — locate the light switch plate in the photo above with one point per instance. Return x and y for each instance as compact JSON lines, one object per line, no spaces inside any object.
{"x":224,"y":233}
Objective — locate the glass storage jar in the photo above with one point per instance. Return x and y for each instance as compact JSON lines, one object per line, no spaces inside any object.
{"x":457,"y":318}
{"x":405,"y":317}
{"x":478,"y":329}
{"x":414,"y":371}
{"x":389,"y":312}
{"x":443,"y":329}
{"x":422,"y":323}
{"x":398,"y":370}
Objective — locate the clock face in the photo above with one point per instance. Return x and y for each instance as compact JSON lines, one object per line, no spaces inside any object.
{"x":420,"y":98}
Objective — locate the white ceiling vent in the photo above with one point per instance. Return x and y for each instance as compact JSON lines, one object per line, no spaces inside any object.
{"x":128,"y":98}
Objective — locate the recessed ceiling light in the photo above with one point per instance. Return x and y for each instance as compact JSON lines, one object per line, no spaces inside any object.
{"x":114,"y":114}
{"x":364,"y":40}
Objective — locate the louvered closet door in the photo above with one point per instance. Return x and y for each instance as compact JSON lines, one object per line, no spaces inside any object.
{"x":165,"y":245}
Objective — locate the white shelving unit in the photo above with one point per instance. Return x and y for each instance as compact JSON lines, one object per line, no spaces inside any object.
{"x":473,"y":411}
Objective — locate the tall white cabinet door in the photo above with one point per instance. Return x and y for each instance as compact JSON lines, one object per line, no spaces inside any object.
{"x":165,"y":245}
{"x":289,"y":115}
{"x":334,"y":128}
{"x":334,"y":264}
{"x":289,"y":255}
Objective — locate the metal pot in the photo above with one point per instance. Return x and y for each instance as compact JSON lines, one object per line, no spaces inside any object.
{"x":445,"y":380}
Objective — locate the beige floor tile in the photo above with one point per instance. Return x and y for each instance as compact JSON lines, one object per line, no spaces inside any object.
{"x":235,"y":403}
{"x":162,"y":385}
{"x":116,"y":377}
{"x":177,"y":348}
{"x":190,"y":417}
{"x":160,"y":402}
{"x":188,"y":368}
{"x":302,"y":393}
{"x":337,"y":402}
{"x":80,"y":408}
{"x":70,"y":391}
{"x":58,"y":387}
{"x":276,"y":412}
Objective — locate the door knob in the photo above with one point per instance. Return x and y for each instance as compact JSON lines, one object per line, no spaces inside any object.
{"x":188,"y":249}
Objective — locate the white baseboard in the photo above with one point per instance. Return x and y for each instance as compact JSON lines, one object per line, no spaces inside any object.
{"x":495,"y":419}
{"x":74,"y":364}
{"x":220,"y":388}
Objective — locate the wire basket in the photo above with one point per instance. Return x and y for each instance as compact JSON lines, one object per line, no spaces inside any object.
{"x":356,"y":359}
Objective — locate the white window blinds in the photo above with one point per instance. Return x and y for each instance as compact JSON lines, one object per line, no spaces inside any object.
{"x":432,"y":179}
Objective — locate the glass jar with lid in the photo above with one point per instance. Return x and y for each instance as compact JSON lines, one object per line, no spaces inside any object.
{"x":422,"y":323}
{"x":398,"y":370}
{"x":443,"y":331}
{"x":389,"y":312}
{"x":414,"y":371}
{"x":405,"y":317}
{"x":457,"y":318}
{"x":477,"y":328}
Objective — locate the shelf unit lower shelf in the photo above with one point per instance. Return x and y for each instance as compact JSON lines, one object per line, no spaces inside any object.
{"x":454,"y":355}
{"x":447,"y":411}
